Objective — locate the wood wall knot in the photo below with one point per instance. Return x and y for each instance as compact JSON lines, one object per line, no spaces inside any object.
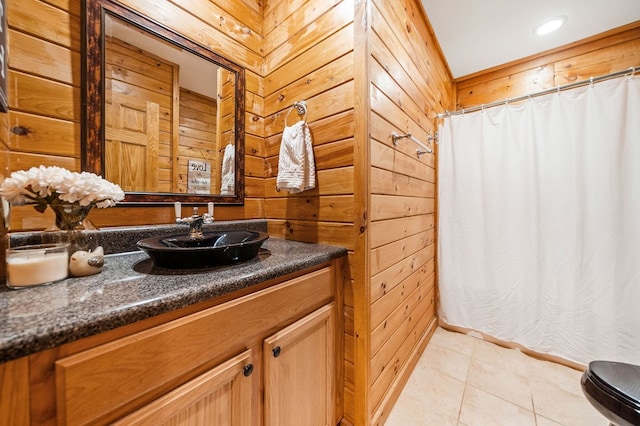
{"x":20,"y":130}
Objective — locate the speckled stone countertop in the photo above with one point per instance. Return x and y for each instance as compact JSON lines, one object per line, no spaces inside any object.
{"x":130,"y":288}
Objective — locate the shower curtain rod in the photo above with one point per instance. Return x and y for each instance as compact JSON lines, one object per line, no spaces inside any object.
{"x":631,"y":71}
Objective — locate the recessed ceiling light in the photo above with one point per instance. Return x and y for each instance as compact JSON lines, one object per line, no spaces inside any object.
{"x":550,"y":25}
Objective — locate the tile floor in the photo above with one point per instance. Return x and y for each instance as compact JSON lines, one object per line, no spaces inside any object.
{"x":461,"y":380}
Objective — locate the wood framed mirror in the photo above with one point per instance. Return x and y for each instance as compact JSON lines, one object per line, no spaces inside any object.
{"x":163,"y":115}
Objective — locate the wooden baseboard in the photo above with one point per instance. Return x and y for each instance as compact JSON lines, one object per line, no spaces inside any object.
{"x":381,"y":415}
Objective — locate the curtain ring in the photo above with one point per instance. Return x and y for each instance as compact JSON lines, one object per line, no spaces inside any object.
{"x":633,"y":71}
{"x":591,"y":81}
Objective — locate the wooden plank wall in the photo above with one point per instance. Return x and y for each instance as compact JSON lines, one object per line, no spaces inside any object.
{"x":608,"y":52}
{"x":309,"y":55}
{"x":225,"y":129}
{"x":43,"y":91}
{"x":197,"y":113}
{"x":44,"y":85}
{"x":226,"y":107}
{"x":410,"y":85}
{"x":45,"y":79}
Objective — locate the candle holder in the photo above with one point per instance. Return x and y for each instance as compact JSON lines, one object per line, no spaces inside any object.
{"x":34,"y":265}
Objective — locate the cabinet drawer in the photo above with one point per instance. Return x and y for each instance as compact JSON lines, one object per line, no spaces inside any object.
{"x":106,"y":382}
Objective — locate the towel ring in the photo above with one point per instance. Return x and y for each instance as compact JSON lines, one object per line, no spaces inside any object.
{"x":300,"y":107}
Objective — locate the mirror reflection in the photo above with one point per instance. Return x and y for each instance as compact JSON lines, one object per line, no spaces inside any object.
{"x":170,"y":118}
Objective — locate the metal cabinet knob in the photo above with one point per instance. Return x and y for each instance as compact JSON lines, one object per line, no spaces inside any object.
{"x":248,"y":369}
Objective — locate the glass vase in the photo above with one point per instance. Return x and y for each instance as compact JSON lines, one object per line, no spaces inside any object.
{"x":73,"y":227}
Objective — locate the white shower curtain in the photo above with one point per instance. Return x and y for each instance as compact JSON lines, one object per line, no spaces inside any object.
{"x":539,"y":222}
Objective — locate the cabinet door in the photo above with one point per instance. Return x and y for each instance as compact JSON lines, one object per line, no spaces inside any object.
{"x":299,"y":365}
{"x":222,"y":396}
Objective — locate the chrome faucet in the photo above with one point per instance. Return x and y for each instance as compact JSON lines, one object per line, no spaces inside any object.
{"x":195,"y":222}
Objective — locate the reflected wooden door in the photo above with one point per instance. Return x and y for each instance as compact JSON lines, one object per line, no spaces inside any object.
{"x":139,"y":114}
{"x":132,"y":143}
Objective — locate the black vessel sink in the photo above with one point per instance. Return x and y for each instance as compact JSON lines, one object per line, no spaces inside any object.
{"x":213,"y":248}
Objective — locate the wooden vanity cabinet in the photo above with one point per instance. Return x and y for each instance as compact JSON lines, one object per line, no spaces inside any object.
{"x":299,"y":363}
{"x":215,"y":366}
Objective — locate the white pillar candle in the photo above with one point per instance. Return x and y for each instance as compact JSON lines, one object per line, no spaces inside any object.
{"x":34,"y":265}
{"x":210,"y":206}
{"x":177,"y":206}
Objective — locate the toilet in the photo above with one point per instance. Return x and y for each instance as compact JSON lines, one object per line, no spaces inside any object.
{"x":613,"y":388}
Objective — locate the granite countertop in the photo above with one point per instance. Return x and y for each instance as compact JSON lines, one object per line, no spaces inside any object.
{"x":129,"y":289}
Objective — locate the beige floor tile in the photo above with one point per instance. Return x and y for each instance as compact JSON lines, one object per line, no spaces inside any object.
{"x":511,"y":359}
{"x":562,"y":377}
{"x":456,"y":341}
{"x":439,"y":393}
{"x":483,"y":409}
{"x":564,"y":407}
{"x":410,"y":411}
{"x":503,"y":387}
{"x":498,"y":380}
{"x":543,"y":421}
{"x":446,"y":360}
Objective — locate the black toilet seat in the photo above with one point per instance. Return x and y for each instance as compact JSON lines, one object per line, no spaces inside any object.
{"x":613,"y":388}
{"x":621,"y":379}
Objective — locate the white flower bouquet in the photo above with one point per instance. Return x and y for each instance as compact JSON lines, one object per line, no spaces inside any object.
{"x":43,"y":186}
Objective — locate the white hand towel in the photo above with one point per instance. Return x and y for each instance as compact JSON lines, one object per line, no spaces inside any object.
{"x":228,"y":171}
{"x":296,"y":165}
